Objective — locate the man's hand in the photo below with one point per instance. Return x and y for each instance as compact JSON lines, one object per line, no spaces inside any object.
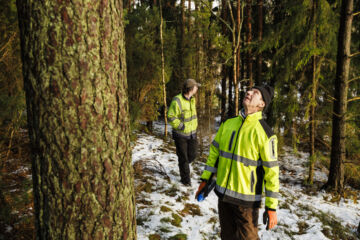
{"x":269,"y":218}
{"x":201,"y":186}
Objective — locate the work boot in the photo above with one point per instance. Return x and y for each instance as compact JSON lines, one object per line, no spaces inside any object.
{"x":186,"y":183}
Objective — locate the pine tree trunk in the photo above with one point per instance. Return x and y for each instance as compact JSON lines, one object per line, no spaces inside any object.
{"x":74,"y":71}
{"x":336,"y":174}
{"x":197,"y":44}
{"x":313,"y":105}
{"x":225,"y":71}
{"x":248,"y":43}
{"x":182,"y":41}
{"x":189,"y":16}
{"x":230,"y":98}
{"x":223,"y":93}
{"x":312,"y":123}
{"x":163,"y":68}
{"x":260,"y":19}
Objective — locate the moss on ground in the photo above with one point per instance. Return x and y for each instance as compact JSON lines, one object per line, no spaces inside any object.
{"x":165,"y":209}
{"x":192,"y":209}
{"x":154,"y":237}
{"x":179,"y":236}
{"x":176,"y":221}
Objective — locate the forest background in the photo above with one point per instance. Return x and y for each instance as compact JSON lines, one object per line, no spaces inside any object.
{"x":227,"y":46}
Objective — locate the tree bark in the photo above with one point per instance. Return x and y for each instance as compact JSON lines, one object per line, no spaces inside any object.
{"x":338,"y":150}
{"x":74,"y":71}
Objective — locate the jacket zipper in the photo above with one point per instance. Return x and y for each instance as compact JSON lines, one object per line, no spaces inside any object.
{"x":232,"y":158}
{"x":252,"y":181}
{"x":231,"y":140}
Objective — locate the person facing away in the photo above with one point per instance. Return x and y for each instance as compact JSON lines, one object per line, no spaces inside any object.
{"x":183,"y":119}
{"x":243,"y":156}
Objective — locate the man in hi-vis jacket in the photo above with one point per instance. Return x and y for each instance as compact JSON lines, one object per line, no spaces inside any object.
{"x":243,"y":156}
{"x":183,"y":119}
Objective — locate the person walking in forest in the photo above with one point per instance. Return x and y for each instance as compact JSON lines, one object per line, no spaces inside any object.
{"x":243,"y":156}
{"x":183,"y":119}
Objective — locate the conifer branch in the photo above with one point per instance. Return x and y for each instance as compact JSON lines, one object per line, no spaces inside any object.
{"x":328,"y":93}
{"x":353,"y":79}
{"x":354,"y":54}
{"x":212,"y":12}
{"x":357,"y":13}
{"x":353,"y":99}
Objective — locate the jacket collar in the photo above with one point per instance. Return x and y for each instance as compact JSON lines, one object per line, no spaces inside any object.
{"x":185,"y":97}
{"x":251,"y":117}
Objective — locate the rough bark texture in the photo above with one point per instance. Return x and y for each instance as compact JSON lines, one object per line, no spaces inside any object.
{"x":75,"y":81}
{"x":336,"y":174}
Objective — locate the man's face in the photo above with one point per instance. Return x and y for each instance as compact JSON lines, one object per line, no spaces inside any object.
{"x":194,"y":90}
{"x":253,"y":99}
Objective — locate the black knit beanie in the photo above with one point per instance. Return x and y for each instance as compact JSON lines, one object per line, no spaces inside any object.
{"x":267,"y":94}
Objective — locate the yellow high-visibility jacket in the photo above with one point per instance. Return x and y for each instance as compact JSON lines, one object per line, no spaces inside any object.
{"x":246,"y":149}
{"x":182,"y":116}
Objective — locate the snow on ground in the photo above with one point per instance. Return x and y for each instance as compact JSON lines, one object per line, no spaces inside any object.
{"x":166,"y":208}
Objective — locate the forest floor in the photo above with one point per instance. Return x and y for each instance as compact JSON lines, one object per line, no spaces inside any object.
{"x":167,"y":210}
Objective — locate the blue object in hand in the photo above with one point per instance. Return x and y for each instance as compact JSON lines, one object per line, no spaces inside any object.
{"x":200,"y":197}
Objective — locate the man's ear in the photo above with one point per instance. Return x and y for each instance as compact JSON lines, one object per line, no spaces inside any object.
{"x":261,"y":104}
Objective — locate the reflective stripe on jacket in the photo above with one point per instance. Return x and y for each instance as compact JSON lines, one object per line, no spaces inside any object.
{"x":182,"y":116}
{"x":247,"y":153}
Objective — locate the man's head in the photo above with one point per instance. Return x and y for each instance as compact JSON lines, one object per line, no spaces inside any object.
{"x":258,"y":98}
{"x":190,"y":87}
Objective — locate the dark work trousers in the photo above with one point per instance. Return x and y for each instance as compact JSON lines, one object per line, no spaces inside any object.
{"x":238,"y":223}
{"x":186,"y":150}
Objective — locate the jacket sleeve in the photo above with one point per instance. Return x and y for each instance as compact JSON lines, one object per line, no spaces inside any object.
{"x":174,"y":116}
{"x":268,"y":154}
{"x":213,"y":156}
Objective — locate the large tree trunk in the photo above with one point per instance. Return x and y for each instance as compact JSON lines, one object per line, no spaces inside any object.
{"x":76,"y":91}
{"x":336,"y":174}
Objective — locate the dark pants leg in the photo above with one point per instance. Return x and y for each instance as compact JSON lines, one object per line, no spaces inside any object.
{"x":186,"y":151}
{"x":238,"y":223}
{"x":192,"y":149}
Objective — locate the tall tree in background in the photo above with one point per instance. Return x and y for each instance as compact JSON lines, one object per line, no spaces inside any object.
{"x":314,"y":86}
{"x":163,"y":67}
{"x":249,"y":63}
{"x":75,"y":81}
{"x":259,"y":59}
{"x":236,"y":40}
{"x":338,"y":149}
